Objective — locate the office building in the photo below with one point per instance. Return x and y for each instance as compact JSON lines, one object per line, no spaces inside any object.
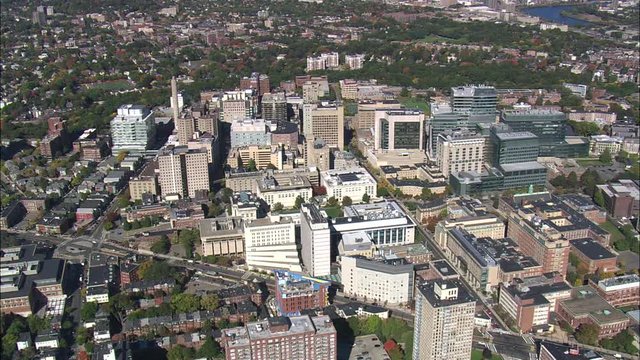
{"x":315,"y":240}
{"x":385,"y":223}
{"x":487,"y":262}
{"x":547,"y":125}
{"x":444,"y":321}
{"x":353,"y":183}
{"x":183,"y":171}
{"x":384,"y":281}
{"x":284,"y":190}
{"x":293,"y":338}
{"x":459,"y":151}
{"x":620,"y":290}
{"x":258,"y":82}
{"x":354,"y":62}
{"x":577,"y":89}
{"x":133,"y":128}
{"x":296,"y":292}
{"x":238,"y":105}
{"x":222,"y":236}
{"x":248,"y":132}
{"x":274,"y":107}
{"x":621,"y":199}
{"x":324,"y":120}
{"x":263,"y":156}
{"x":399,"y":130}
{"x":442,"y":119}
{"x":356,"y":244}
{"x":311,"y":92}
{"x":241,"y":180}
{"x":477,"y":103}
{"x":143,"y":185}
{"x":513,"y":147}
{"x":587,"y":307}
{"x":494,"y":180}
{"x":270,"y":243}
{"x":530,"y":306}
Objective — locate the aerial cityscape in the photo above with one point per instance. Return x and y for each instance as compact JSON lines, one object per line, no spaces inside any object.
{"x":320,"y":179}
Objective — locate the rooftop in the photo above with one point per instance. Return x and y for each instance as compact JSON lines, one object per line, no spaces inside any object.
{"x":429,"y":290}
{"x":592,"y":249}
{"x":563,"y":352}
{"x":586,"y":302}
{"x":291,"y":284}
{"x":619,"y":281}
{"x":368,"y":347}
{"x":347,"y":177}
{"x":220,"y":227}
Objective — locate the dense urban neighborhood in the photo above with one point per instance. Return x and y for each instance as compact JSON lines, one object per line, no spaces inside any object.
{"x":320,"y":179}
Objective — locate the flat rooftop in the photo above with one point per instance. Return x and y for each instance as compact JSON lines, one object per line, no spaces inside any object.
{"x":586,"y":302}
{"x":592,"y":249}
{"x":428,"y":291}
{"x":368,"y":347}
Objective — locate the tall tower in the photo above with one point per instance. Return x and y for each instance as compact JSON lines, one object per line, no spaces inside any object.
{"x":174,"y":98}
{"x":443,"y":327}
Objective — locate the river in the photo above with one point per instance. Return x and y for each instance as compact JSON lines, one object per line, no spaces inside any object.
{"x":553,"y":14}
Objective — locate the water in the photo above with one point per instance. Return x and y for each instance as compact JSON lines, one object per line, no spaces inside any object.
{"x":553,"y":14}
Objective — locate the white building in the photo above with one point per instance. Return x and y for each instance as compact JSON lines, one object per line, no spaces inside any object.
{"x":354,"y":62}
{"x":399,"y":129}
{"x":385,"y":281}
{"x":315,"y":63}
{"x":133,"y":128}
{"x":245,"y":205}
{"x":598,"y":144}
{"x":459,"y":150}
{"x":353,"y":183}
{"x":47,"y":341}
{"x":385,"y":223}
{"x":247,"y":132}
{"x":270,"y":243}
{"x":315,"y":238}
{"x":284,"y":190}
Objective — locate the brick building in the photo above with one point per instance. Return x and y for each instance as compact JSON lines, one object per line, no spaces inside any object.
{"x":296,"y":292}
{"x":594,"y":255}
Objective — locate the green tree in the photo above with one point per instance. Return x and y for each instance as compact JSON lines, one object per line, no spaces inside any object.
{"x":346,"y":201}
{"x":108,"y":225}
{"x":180,"y":352}
{"x":574,"y":260}
{"x":299,"y":202}
{"x":162,"y":246}
{"x":332,"y":202}
{"x":214,"y":210}
{"x":122,"y":202}
{"x":185,"y":303}
{"x":426,"y":194}
{"x":277,"y":207}
{"x":210,"y":349}
{"x":598,"y":198}
{"x":81,"y":335}
{"x":587,"y":334}
{"x":126,"y":226}
{"x":366,"y":198}
{"x":572,"y":180}
{"x":251,"y":165}
{"x":486,"y":354}
{"x":605,"y":157}
{"x":210,"y":302}
{"x":88,"y":311}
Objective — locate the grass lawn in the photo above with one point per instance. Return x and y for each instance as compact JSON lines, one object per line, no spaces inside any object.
{"x":414,"y":103}
{"x":613,"y":230}
{"x":590,"y":162}
{"x":333,"y":212}
{"x":114,"y":85}
{"x":477,"y":355}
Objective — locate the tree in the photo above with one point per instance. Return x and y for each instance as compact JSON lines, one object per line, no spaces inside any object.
{"x":572,"y":180}
{"x":214,"y":210}
{"x":155,"y":270}
{"x":426,"y":194}
{"x":108,"y":225}
{"x":185,"y":303}
{"x":299,"y":202}
{"x":251,"y":165}
{"x":88,"y":311}
{"x":486,"y":354}
{"x":126,"y":226}
{"x":598,"y":198}
{"x":332,"y":202}
{"x":122,"y":202}
{"x":277,"y":207}
{"x":346,"y":201}
{"x":605,"y":157}
{"x":161,"y":246}
{"x":210,"y":302}
{"x":180,"y":352}
{"x":210,"y":349}
{"x":587,"y":334}
{"x":366,"y":198}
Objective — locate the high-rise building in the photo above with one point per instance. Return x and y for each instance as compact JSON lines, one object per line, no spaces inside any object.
{"x":175,"y":103}
{"x":380,"y":280}
{"x":133,"y":128}
{"x":247,"y":132}
{"x":258,"y":82}
{"x":270,"y":243}
{"x":547,"y":125}
{"x":311,"y":92}
{"x":315,"y":63}
{"x":365,"y":118}
{"x":477,"y":103}
{"x":274,"y":107}
{"x":296,"y":292}
{"x":183,"y":171}
{"x":325,"y":120}
{"x":292,"y":338}
{"x":331,"y":60}
{"x":315,"y":239}
{"x":444,"y":321}
{"x":318,"y":154}
{"x":185,"y":127}
{"x":238,"y":105}
{"x":399,"y":129}
{"x":206,"y":142}
{"x":513,"y":147}
{"x":459,"y":150}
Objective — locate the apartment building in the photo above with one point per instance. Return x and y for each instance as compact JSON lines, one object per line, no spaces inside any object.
{"x":293,"y":338}
{"x":296,"y":292}
{"x":258,"y":82}
{"x":444,"y":321}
